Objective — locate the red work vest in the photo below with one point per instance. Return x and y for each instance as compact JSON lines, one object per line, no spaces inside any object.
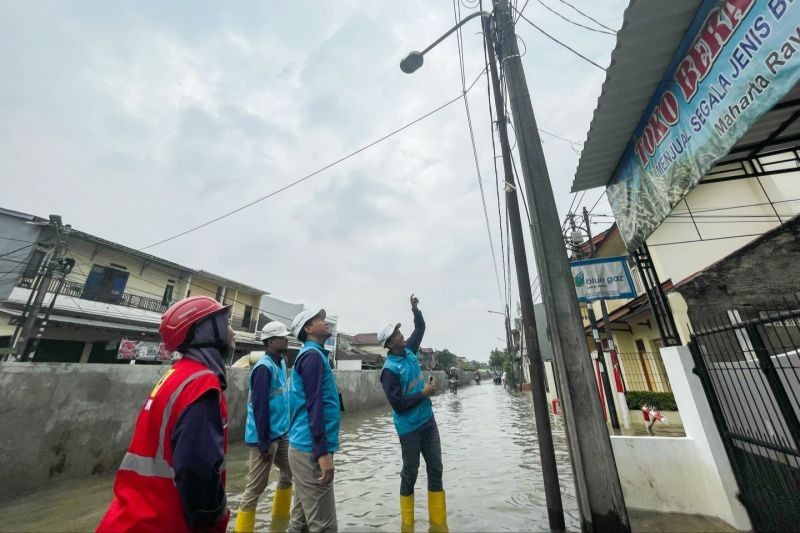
{"x":145,"y":497}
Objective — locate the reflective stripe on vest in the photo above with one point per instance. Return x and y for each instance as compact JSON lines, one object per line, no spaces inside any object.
{"x":157,"y":466}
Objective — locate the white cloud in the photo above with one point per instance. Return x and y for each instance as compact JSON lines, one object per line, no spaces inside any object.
{"x":137,"y":123}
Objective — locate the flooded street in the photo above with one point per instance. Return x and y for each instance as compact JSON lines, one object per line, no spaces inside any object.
{"x":492,"y":474}
{"x":491,"y":467}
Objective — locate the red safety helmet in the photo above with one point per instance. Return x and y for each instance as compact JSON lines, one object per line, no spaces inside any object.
{"x":179,"y":318}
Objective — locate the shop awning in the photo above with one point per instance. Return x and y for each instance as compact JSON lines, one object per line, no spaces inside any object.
{"x":650,"y":35}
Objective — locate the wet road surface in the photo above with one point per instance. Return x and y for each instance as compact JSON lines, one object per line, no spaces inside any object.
{"x":492,"y":475}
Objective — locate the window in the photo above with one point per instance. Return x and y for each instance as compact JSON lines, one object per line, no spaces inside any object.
{"x":105,"y":284}
{"x":167,"y":299}
{"x":218,"y":297}
{"x":248,"y":316}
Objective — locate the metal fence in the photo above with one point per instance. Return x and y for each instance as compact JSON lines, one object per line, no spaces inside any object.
{"x":644,"y":371}
{"x":749,"y":363}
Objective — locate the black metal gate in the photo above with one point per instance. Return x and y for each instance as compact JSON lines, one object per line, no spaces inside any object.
{"x":749,"y":363}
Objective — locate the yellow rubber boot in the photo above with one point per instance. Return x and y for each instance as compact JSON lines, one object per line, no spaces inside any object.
{"x":437,"y":512}
{"x":407,"y":514}
{"x":245,"y":521}
{"x":282,"y":503}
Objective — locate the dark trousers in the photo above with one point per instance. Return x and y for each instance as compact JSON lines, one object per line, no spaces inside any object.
{"x":425,"y":441}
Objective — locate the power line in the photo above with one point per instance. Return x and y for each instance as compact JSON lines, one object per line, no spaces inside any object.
{"x":318,"y":171}
{"x":15,"y":251}
{"x":580,"y":200}
{"x":5,"y":238}
{"x":506,"y":271}
{"x":559,"y":15}
{"x":559,"y":42}
{"x":522,"y":10}
{"x":559,"y":137}
{"x":587,"y":16}
{"x":598,"y":200}
{"x":459,"y":41}
{"x":708,"y":239}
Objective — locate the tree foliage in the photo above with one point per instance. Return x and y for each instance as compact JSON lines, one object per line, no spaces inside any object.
{"x":446,"y":359}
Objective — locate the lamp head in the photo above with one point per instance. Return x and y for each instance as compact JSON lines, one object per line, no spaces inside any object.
{"x":411,"y":62}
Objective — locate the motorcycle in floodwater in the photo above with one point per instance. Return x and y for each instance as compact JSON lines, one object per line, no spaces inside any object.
{"x":477,"y":379}
{"x":452,"y":385}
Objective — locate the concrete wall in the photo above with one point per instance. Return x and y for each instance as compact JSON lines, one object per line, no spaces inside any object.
{"x":689,"y":474}
{"x":760,"y":273}
{"x":63,"y":421}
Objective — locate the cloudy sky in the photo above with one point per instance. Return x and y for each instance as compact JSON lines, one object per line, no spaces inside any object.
{"x":138,"y":120}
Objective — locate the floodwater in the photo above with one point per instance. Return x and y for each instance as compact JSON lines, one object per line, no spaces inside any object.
{"x":492,"y":474}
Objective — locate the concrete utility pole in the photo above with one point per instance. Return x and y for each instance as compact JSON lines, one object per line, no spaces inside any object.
{"x":552,"y":489}
{"x":31,"y":312}
{"x":600,"y":497}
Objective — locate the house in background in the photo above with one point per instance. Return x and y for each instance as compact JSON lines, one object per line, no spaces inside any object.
{"x":361,"y":351}
{"x":113,"y":293}
{"x":272,"y":308}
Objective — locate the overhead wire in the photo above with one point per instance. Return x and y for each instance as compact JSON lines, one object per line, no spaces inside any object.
{"x":522,"y":10}
{"x":15,"y":251}
{"x":587,"y":16}
{"x":314,"y":173}
{"x":597,"y":201}
{"x":561,"y":16}
{"x":526,"y":19}
{"x":506,"y":269}
{"x":459,"y":41}
{"x":6,"y":238}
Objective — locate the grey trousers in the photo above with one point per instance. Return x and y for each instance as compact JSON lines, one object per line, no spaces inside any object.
{"x":313,"y":506}
{"x":258,"y":476}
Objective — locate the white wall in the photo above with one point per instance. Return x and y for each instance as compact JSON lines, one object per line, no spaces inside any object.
{"x":689,"y":474}
{"x":677,"y":261}
{"x":349,"y":364}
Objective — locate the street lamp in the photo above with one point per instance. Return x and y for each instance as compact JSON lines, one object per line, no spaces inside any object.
{"x":413,"y":61}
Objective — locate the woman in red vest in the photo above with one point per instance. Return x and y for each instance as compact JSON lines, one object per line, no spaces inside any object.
{"x":173,"y":476}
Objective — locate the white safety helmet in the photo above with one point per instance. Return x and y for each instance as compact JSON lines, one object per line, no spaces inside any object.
{"x":302,"y":319}
{"x":274,"y":329}
{"x":386,"y":332}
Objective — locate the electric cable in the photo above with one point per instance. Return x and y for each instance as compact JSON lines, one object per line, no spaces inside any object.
{"x":314,"y":173}
{"x":556,"y":13}
{"x":561,"y":43}
{"x":459,"y":41}
{"x":587,"y":16}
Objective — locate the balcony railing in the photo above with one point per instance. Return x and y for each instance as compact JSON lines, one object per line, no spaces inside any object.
{"x":76,"y":290}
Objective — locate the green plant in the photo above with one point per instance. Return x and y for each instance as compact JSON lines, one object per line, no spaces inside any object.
{"x":664,"y":401}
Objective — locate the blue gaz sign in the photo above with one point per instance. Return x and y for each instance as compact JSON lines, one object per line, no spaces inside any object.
{"x":606,"y":278}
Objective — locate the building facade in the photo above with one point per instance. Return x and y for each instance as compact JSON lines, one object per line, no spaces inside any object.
{"x":112,"y":298}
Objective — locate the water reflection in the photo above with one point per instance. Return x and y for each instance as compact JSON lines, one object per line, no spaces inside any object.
{"x":492,"y":474}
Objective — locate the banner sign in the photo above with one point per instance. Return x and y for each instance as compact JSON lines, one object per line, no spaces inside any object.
{"x":607,"y":278}
{"x":143,"y":351}
{"x":736,"y":61}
